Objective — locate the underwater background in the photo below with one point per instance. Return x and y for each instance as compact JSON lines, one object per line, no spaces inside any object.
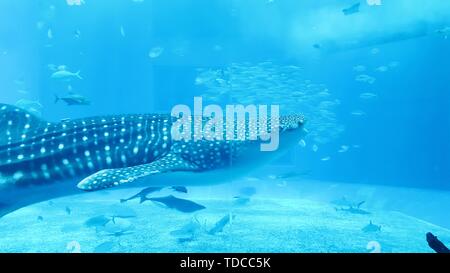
{"x":373,"y":85}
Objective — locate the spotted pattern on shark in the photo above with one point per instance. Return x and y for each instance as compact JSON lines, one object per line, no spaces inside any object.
{"x":46,"y":151}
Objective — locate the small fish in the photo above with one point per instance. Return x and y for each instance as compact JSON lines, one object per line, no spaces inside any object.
{"x":241,"y":200}
{"x":75,"y":2}
{"x":65,"y":75}
{"x":73,"y":99}
{"x":352,"y":9}
{"x":382,"y":69}
{"x":354,"y":209}
{"x":40,"y":218}
{"x":97,"y":221}
{"x":367,"y":96}
{"x":179,"y":204}
{"x":77,"y":34}
{"x":365,"y":78}
{"x":142,"y":195}
{"x":358,"y":113}
{"x":220,"y":225}
{"x":117,"y":227}
{"x":155,"y":52}
{"x":68,"y":210}
{"x":179,"y":189}
{"x":302,"y":143}
{"x":343,"y":149}
{"x":34,"y":107}
{"x":122,"y":31}
{"x":315,"y":148}
{"x":371,"y":227}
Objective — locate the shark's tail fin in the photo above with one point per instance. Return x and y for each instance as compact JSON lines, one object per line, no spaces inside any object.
{"x":17,"y":124}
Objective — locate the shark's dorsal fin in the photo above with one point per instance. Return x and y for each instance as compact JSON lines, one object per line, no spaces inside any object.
{"x":114,"y":177}
{"x":17,"y":124}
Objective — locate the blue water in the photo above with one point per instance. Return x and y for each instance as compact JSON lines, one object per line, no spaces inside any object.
{"x":391,"y":150}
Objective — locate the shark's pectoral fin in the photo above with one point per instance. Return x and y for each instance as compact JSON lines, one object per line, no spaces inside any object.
{"x":114,"y":177}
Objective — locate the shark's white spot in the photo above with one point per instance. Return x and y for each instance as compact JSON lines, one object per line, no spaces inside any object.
{"x":20,"y":157}
{"x":43,"y":150}
{"x":85,"y":138}
{"x":87,"y":153}
{"x":18,"y":175}
{"x":107,"y":148}
{"x":61,"y":146}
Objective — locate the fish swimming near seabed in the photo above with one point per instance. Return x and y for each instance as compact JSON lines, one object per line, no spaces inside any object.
{"x":142,"y":195}
{"x":42,"y":160}
{"x":220,"y":225}
{"x":354,"y":209}
{"x":179,"y":204}
{"x":371,"y":227}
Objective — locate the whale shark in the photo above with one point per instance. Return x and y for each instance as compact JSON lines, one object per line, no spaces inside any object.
{"x":42,"y":160}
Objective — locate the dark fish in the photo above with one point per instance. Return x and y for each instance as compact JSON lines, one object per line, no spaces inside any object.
{"x":40,"y":218}
{"x":351,"y":10}
{"x":179,"y":204}
{"x":73,"y":99}
{"x":435,"y":244}
{"x":142,"y":194}
{"x":241,"y":200}
{"x":219,"y":226}
{"x":97,"y":221}
{"x":371,"y":227}
{"x":179,"y":189}
{"x":292,"y":174}
{"x":68,"y":210}
{"x":354,"y":209}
